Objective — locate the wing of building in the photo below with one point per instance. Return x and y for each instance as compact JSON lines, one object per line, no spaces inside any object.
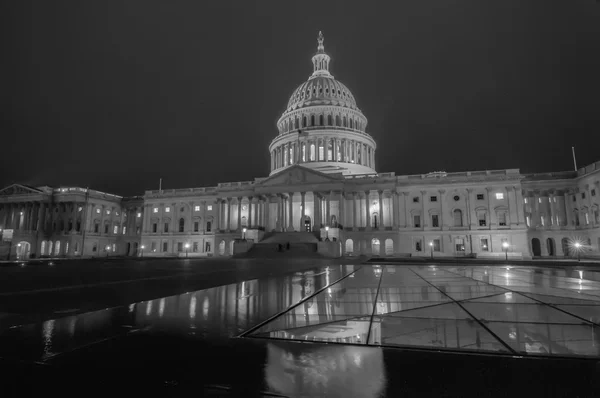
{"x":322,"y":194}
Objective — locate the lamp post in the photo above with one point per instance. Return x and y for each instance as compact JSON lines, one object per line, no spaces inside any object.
{"x":107,"y":250}
{"x":18,"y":250}
{"x":578,"y":249}
{"x":142,"y":252}
{"x":187,"y":246}
{"x":243,"y":233}
{"x":431,"y":246}
{"x":327,"y":232}
{"x":505,"y":247}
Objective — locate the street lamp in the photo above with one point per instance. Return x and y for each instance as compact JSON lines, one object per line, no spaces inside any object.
{"x":243,"y":233}
{"x":578,"y":250}
{"x":431,"y":246}
{"x":107,"y":250}
{"x":505,"y":247}
{"x":327,"y":232}
{"x":18,"y":251}
{"x":187,"y":246}
{"x":142,"y":252}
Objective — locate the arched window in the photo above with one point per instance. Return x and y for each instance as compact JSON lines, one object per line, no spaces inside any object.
{"x":458,"y":220}
{"x":181,"y":224}
{"x":208,"y":226}
{"x":329,"y":120}
{"x":43,"y":247}
{"x":57,"y":248}
{"x":337,"y":120}
{"x":312,"y":120}
{"x":303,"y":121}
{"x":345,"y":122}
{"x":351,"y":124}
{"x":296,"y":123}
{"x":320,"y":120}
{"x":312,"y":152}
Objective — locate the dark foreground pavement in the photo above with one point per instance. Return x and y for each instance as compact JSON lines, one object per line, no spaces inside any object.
{"x":171,"y":328}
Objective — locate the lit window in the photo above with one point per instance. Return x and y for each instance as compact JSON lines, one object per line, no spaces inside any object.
{"x":525,"y":200}
{"x":168,"y":209}
{"x":155,"y":210}
{"x":543,"y":220}
{"x":124,"y":230}
{"x":528,"y":220}
{"x":555,"y":199}
{"x":587,"y":218}
{"x":484,"y":245}
{"x":116,"y":213}
{"x":114,"y":247}
{"x":80,"y":208}
{"x":107,"y":211}
{"x":499,"y":195}
{"x":196,"y":208}
{"x":98,"y":211}
{"x":139,"y":215}
{"x":209,"y":207}
{"x":539,"y":200}
{"x":115,"y":230}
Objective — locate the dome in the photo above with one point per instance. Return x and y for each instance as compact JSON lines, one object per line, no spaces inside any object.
{"x":321,"y":90}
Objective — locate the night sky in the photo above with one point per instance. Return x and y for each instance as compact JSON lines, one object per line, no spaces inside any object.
{"x":117,"y":94}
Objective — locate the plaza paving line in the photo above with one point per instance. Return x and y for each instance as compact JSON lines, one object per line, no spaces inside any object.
{"x":263,"y":323}
{"x":508,"y":347}
{"x":535,"y":299}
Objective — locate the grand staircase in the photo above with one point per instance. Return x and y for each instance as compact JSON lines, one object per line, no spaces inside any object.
{"x":301,"y":244}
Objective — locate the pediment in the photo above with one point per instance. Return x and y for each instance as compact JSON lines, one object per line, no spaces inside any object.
{"x":297,"y":175}
{"x":18,"y":189}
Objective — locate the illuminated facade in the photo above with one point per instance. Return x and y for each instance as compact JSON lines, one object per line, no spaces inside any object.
{"x":323,"y":187}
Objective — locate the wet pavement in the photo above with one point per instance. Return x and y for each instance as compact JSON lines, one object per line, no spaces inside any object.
{"x":327,"y":329}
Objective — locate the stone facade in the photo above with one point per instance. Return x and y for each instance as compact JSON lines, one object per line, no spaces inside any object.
{"x":322,"y":181}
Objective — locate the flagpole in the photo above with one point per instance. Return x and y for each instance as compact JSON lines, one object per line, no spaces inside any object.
{"x":574,"y":160}
{"x":160,"y":185}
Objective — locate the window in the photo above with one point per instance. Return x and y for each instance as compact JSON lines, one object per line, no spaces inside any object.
{"x":165,"y":246}
{"x":502,"y":219}
{"x":554,"y":199}
{"x":499,"y":195}
{"x":528,"y":221}
{"x":435,"y":221}
{"x":456,"y":198}
{"x":155,"y":227}
{"x":597,"y":215}
{"x":543,"y":220}
{"x":436,"y":245}
{"x":139,"y":215}
{"x":155,"y":210}
{"x":207,"y":247}
{"x":587,"y":218}
{"x":195,"y":247}
{"x":181,"y":224}
{"x":78,"y":225}
{"x":137,"y":230}
{"x":417,"y":221}
{"x":166,"y":228}
{"x":433,"y":198}
{"x":153,"y":247}
{"x":481,"y":218}
{"x":97,"y":211}
{"x":95,"y":247}
{"x":479,"y":196}
{"x":114,"y":247}
{"x":583,"y":195}
{"x":124,"y":230}
{"x":458,"y":220}
{"x":196,"y":208}
{"x":179,"y":246}
{"x":574,"y":198}
{"x":525,"y":200}
{"x":416,"y":199}
{"x":418,"y":245}
{"x":484,"y":245}
{"x":81,"y":208}
{"x":593,"y":193}
{"x":116,"y":229}
{"x":196,"y":226}
{"x":96,"y":227}
{"x":167,"y":209}
{"x":105,"y":228}
{"x":208,"y":226}
{"x":209,"y":207}
{"x":70,"y":225}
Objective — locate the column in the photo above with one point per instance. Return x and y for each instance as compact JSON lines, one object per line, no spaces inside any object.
{"x":327,"y":209}
{"x":424,"y":216}
{"x":74,"y":218}
{"x":239,"y":216}
{"x":406,"y":215}
{"x":511,"y":208}
{"x":228,"y":218}
{"x":535,"y":208}
{"x":442,"y":199}
{"x":40,"y":218}
{"x":395,"y":221}
{"x":342,"y":209}
{"x":551,"y":197}
{"x":302,"y":211}
{"x":291,"y":211}
{"x":381,"y":221}
{"x":267,"y":211}
{"x":356,"y":209}
{"x":568,"y":210}
{"x":250,"y":223}
{"x":316,"y":222}
{"x":368,"y":216}
{"x":469,"y":215}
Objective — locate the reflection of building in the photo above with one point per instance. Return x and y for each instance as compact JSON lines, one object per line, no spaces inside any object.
{"x":322,"y":177}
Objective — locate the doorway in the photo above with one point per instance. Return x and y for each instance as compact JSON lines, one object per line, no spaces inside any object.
{"x":550,"y":246}
{"x":536,"y":248}
{"x":23,"y":250}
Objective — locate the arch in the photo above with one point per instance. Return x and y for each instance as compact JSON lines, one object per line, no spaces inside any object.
{"x":345,"y":121}
{"x":349,"y":246}
{"x":536,"y":247}
{"x":337,"y":120}
{"x":566,"y":248}
{"x":551,"y":247}
{"x":23,"y":250}
{"x":321,"y":120}
{"x":312,"y":152}
{"x":375,"y":220}
{"x":222,"y":247}
{"x":375,"y":246}
{"x":49,"y":247}
{"x":303,"y":121}
{"x":329,"y":120}
{"x":312,"y":120}
{"x":458,"y":218}
{"x":351,"y":123}
{"x":57,"y":248}
{"x":389,"y":247}
{"x":181,"y":224}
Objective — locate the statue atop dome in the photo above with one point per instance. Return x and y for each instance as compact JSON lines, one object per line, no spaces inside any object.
{"x":320,"y":47}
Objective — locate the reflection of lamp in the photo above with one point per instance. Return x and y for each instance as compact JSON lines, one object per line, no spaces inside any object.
{"x":505,"y":246}
{"x":244,"y":233}
{"x":327,"y":232}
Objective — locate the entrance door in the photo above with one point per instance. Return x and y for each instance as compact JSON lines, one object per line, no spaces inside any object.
{"x":23,"y":250}
{"x":307,"y":224}
{"x":536,"y":248}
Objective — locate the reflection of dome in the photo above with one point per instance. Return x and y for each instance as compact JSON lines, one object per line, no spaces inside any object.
{"x":321,"y":90}
{"x":347,"y":371}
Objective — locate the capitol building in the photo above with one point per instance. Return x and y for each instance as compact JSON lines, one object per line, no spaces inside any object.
{"x":323,"y":194}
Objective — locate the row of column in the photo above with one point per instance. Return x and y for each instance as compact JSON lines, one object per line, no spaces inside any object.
{"x":317,"y":150}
